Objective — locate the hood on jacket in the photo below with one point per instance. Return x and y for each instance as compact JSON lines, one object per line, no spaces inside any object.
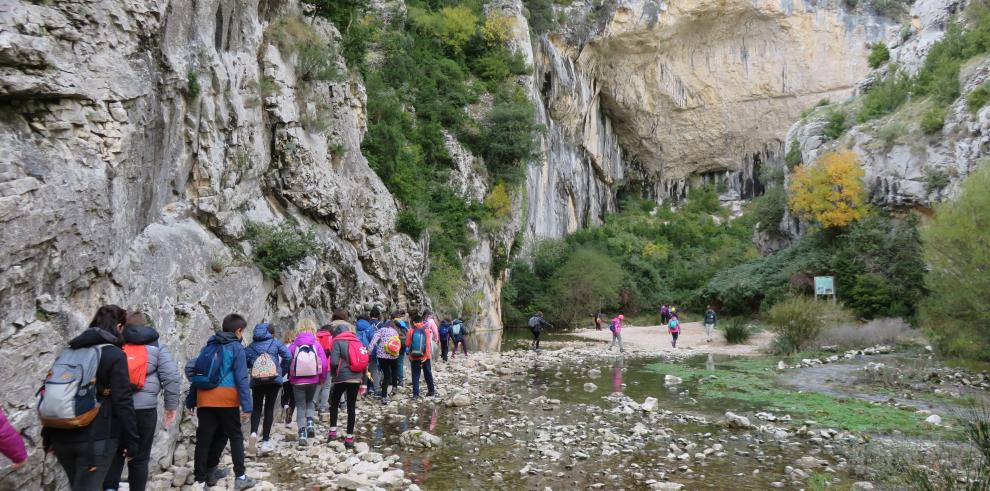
{"x":305,"y":338}
{"x":93,"y":336}
{"x":140,"y":335}
{"x":345,"y":336}
{"x":224,"y":337}
{"x":362,"y":325}
{"x":342,"y":328}
{"x":261,"y":332}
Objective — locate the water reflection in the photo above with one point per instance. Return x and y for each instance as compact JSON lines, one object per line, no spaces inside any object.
{"x":617,"y":384}
{"x":710,"y":363}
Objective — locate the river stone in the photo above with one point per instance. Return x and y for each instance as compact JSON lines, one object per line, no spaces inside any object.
{"x":734,"y":420}
{"x":419,"y":438}
{"x":934,"y":420}
{"x":590,"y":387}
{"x":352,"y":481}
{"x":594,"y":373}
{"x":672,"y":380}
{"x":650,"y":404}
{"x":460,"y":399}
{"x":391,"y":480}
{"x":781,"y":365}
{"x":667,"y":486}
{"x":862,"y":486}
{"x":809,"y":462}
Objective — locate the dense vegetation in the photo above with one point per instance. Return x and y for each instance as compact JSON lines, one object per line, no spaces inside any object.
{"x":277,"y":248}
{"x":429,"y":66}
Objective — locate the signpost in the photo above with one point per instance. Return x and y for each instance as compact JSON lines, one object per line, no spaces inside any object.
{"x":825,"y":286}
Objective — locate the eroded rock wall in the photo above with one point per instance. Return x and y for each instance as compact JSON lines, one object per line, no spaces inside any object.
{"x":137,"y":140}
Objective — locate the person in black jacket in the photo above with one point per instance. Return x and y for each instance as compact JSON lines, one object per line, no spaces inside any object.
{"x":85,"y":453}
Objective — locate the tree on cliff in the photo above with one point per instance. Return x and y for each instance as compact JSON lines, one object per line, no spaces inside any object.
{"x":957,"y":250}
{"x":830,"y":192}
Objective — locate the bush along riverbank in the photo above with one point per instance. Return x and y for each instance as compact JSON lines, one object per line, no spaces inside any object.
{"x":575,"y":415}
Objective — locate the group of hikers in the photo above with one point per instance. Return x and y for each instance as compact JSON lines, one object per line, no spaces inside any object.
{"x":669,"y":319}
{"x":99,"y":403}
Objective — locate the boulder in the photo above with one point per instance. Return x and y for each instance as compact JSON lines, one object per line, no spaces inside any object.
{"x":862,"y":486}
{"x":590,"y":387}
{"x":934,"y":420}
{"x":733,"y":420}
{"x":672,"y":380}
{"x":419,"y":438}
{"x":650,"y":404}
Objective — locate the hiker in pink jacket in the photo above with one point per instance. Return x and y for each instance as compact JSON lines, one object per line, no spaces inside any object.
{"x":308,"y":370}
{"x":11,"y":443}
{"x":616,"y":328}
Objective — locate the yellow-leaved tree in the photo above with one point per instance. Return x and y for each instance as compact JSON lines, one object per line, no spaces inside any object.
{"x":829,"y":192}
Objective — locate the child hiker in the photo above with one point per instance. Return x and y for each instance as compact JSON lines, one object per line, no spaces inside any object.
{"x":307,"y":371}
{"x":674,"y":327}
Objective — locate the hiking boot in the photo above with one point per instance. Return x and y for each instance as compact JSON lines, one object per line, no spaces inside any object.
{"x":431,"y":394}
{"x":310,"y":429}
{"x":302,"y":438}
{"x":267,"y":447}
{"x":214,"y":475}
{"x":243,"y":482}
{"x":349,"y":442}
{"x":331,"y":435}
{"x":384,"y":401}
{"x":253,"y":444}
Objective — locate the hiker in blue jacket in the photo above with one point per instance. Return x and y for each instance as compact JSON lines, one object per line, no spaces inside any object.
{"x":264,"y":388}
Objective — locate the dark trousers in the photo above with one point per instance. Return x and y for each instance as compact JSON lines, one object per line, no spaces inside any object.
{"x":351,"y":389}
{"x":536,"y":339}
{"x":664,"y":318}
{"x":137,"y":467}
{"x":216,"y":426}
{"x":444,"y":347}
{"x":264,"y":397}
{"x":85,"y":463}
{"x":459,"y":342}
{"x":673,"y":337}
{"x":427,"y":368}
{"x":389,"y":375}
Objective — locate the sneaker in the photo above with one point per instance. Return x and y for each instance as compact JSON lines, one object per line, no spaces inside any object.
{"x":214,"y":475}
{"x":267,"y":447}
{"x":243,"y":482}
{"x":310,"y":431}
{"x":331,"y":435}
{"x":302,"y":438}
{"x":287,"y":415}
{"x":200,"y":486}
{"x":253,"y":444}
{"x":349,"y":442}
{"x":431,"y":394}
{"x":384,"y":401}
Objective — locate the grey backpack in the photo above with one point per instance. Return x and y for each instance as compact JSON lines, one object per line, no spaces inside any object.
{"x":69,"y":398}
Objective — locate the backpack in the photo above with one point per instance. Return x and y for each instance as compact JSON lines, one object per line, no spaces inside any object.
{"x":675,"y":325}
{"x":418,"y":345}
{"x":445,"y":330}
{"x":206,"y":371}
{"x":264,"y":370}
{"x":393,"y":345}
{"x":325,"y":339}
{"x":612,"y":325}
{"x":137,"y":364}
{"x":69,"y":398}
{"x":357,"y":355}
{"x":534,"y":322}
{"x":457,"y":329}
{"x":305,"y":363}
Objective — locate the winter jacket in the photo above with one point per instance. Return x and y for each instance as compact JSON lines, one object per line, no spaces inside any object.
{"x":163,"y":373}
{"x":459,"y":336}
{"x":308,"y":339}
{"x":381,"y":337}
{"x":536,"y":323}
{"x":264,"y":342}
{"x":444,"y":330}
{"x":431,"y":326}
{"x":710,"y":317}
{"x":364,"y":332}
{"x":116,"y":418}
{"x":616,"y":325}
{"x":234,"y":389}
{"x":340,"y":362}
{"x":429,"y":341}
{"x":11,"y":443}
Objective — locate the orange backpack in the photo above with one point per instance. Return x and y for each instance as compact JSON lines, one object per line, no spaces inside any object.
{"x":137,"y":364}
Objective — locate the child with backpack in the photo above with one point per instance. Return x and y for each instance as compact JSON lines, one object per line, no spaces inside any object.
{"x":84,"y":423}
{"x":365,"y":331}
{"x":444,"y":332}
{"x":400,"y":325}
{"x":288,"y":399}
{"x":348,"y":362}
{"x":387,"y":347}
{"x":674,"y":327}
{"x":307,"y":371}
{"x":457,"y":333}
{"x":152,"y":371}
{"x":221,"y":389}
{"x":418,"y":346}
{"x":268,"y":362}
{"x":616,"y":327}
{"x":324,"y":338}
{"x":11,"y":444}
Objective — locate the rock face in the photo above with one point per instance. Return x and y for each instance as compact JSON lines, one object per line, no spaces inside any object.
{"x":138,"y":140}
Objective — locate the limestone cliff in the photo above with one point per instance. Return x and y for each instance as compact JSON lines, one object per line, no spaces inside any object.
{"x":138,"y":140}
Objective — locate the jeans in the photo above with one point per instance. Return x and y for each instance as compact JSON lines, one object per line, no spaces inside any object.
{"x":264,"y":397}
{"x":400,"y":366}
{"x":427,"y":368}
{"x":459,"y":342}
{"x":374,"y":371}
{"x":617,"y":339}
{"x":216,"y":426}
{"x":444,"y":348}
{"x":322,"y":394}
{"x":389,"y":375}
{"x":305,"y":403}
{"x":351,"y":389}
{"x":85,"y":463}
{"x":137,"y":467}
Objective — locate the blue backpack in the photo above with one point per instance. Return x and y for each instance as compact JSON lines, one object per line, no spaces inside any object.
{"x":444,"y":330}
{"x":206,"y":371}
{"x":418,"y":345}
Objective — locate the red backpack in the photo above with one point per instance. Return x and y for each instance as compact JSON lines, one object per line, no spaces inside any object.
{"x":137,"y":364}
{"x":357,"y":354}
{"x":325,"y":339}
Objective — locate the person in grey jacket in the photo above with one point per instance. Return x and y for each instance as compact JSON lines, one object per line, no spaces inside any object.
{"x":345,"y":381}
{"x":161,"y":376}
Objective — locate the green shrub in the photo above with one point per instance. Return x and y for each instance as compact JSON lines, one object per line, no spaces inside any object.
{"x":768,"y":209}
{"x":793,"y":157}
{"x":879,"y":54}
{"x":870,"y":297}
{"x":955,"y":246}
{"x":737,"y":331}
{"x":796,"y":323}
{"x":935,"y":179}
{"x":317,"y":61}
{"x":409,"y":223}
{"x":890,"y":133}
{"x":277,"y":248}
{"x":445,"y":284}
{"x":835,"y":124}
{"x":979,"y":97}
{"x":890,"y":8}
{"x":885,"y":96}
{"x":192,"y":85}
{"x":540,"y":15}
{"x":508,"y":138}
{"x":933,"y":120}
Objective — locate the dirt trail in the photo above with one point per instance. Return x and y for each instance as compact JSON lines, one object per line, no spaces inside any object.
{"x":692,"y":340}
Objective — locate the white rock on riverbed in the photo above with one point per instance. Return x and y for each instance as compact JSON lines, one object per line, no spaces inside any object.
{"x":672,"y":380}
{"x":590,"y":387}
{"x":734,"y":420}
{"x":650,"y":404}
{"x":419,"y":438}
